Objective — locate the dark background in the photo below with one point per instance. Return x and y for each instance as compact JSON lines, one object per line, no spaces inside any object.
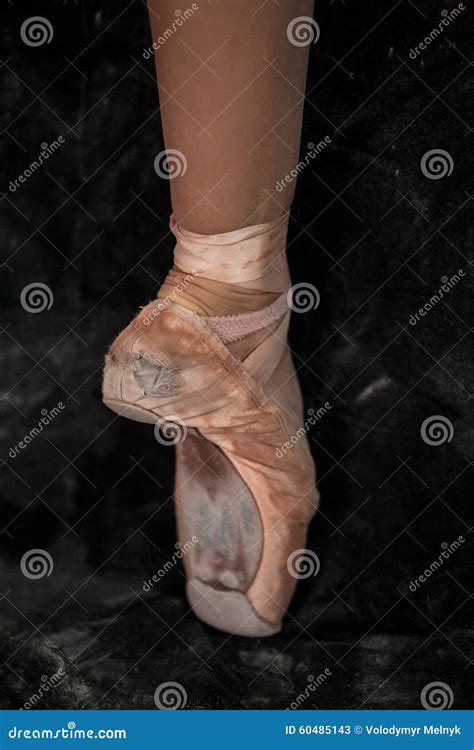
{"x":374,"y":235}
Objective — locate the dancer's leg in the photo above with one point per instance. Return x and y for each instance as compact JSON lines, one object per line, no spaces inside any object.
{"x":231,"y":89}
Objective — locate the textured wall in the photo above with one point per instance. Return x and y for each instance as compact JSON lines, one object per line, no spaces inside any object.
{"x":376,"y":231}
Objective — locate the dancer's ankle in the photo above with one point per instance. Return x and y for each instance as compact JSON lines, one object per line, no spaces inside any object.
{"x":231,"y":273}
{"x":212,"y":298}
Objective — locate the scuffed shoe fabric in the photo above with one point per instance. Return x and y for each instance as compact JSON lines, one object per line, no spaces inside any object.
{"x":240,"y":407}
{"x":248,"y":409}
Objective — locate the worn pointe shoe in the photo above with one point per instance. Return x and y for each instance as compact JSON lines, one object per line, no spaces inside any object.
{"x":243,"y":499}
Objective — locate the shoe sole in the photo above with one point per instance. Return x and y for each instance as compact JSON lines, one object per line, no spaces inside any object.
{"x":229,"y":611}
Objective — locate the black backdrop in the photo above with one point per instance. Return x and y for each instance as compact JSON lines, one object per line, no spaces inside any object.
{"x":376,"y":233}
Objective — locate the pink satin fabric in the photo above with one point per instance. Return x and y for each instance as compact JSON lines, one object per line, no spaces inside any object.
{"x":254,"y":256}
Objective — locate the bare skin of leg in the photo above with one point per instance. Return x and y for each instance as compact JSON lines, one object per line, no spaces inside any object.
{"x":231,"y":88}
{"x":231,"y":92}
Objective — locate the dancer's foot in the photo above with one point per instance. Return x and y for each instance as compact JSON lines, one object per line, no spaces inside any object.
{"x":245,"y":498}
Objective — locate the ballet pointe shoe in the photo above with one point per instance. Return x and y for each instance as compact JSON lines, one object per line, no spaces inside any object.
{"x":243,"y":500}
